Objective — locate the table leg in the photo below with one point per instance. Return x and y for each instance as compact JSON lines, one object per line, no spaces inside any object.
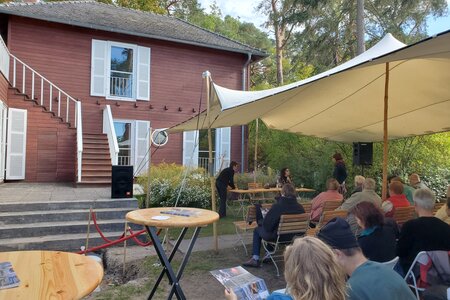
{"x":185,"y":260}
{"x":166,"y":262}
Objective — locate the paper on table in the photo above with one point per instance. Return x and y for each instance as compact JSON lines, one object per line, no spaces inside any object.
{"x":160,"y":218}
{"x":8,"y":278}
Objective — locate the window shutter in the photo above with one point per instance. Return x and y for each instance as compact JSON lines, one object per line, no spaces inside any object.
{"x":142,"y":146}
{"x":17,"y":139}
{"x":98,"y":68}
{"x":3,"y":112}
{"x":143,"y":74}
{"x":223,"y":148}
{"x":190,"y":148}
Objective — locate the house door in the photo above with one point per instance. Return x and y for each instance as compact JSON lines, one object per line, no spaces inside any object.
{"x":124,"y":132}
{"x":3,"y":111}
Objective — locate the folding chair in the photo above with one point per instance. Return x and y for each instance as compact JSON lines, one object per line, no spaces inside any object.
{"x":391,"y":264}
{"x":295,"y":224}
{"x":403,"y":214}
{"x":242,"y":227}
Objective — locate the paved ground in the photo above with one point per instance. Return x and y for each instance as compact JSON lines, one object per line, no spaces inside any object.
{"x":34,"y":192}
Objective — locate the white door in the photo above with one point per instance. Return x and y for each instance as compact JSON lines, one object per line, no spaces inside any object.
{"x":142,"y":146}
{"x":3,"y":112}
{"x":190,"y":148}
{"x":223,"y":148}
{"x":17,"y":139}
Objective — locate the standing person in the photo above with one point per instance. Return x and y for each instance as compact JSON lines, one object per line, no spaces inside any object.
{"x":285,"y":177}
{"x":340,"y":172}
{"x":225,"y":179}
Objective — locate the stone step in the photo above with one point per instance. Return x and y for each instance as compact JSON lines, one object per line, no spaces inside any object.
{"x":61,"y":215}
{"x":64,"y":227}
{"x":60,"y":205}
{"x":62,"y":242}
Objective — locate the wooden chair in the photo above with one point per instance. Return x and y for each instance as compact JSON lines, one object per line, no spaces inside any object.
{"x":295,"y":224}
{"x":248,"y":224}
{"x":438,"y":206}
{"x":306,"y":206}
{"x":328,"y":215}
{"x":331,"y":205}
{"x":403,"y":214}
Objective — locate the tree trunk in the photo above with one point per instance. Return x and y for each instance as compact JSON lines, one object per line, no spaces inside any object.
{"x":279,"y":40}
{"x":360,"y":27}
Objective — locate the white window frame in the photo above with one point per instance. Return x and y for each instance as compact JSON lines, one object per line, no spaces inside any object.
{"x":111,"y":44}
{"x":3,"y":120}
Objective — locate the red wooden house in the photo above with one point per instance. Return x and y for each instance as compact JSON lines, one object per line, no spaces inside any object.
{"x":83,"y":82}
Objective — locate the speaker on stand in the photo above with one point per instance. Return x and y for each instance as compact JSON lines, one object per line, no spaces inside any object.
{"x":122,"y":182}
{"x":362,"y":155}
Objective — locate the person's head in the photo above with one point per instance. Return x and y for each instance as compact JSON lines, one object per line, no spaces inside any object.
{"x":285,"y":172}
{"x":312,"y":271}
{"x":414,"y":178}
{"x":395,"y":188}
{"x":332,"y":184}
{"x":359,"y":180}
{"x":288,"y":190}
{"x":396,"y":178}
{"x":234,"y":165}
{"x":337,"y":157}
{"x":367,"y":215}
{"x":338,"y":235}
{"x":369,"y":184}
{"x":424,"y":201}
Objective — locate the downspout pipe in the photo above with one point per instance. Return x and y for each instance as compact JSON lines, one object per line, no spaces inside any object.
{"x":244,"y":88}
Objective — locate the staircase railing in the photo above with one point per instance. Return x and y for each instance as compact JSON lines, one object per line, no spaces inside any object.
{"x":79,"y":140}
{"x":108,"y":129}
{"x":4,"y":59}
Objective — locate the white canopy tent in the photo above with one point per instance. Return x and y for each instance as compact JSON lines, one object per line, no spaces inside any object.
{"x":346,"y":103}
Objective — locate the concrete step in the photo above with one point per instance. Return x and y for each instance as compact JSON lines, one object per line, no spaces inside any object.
{"x":62,"y":242}
{"x":64,"y":227}
{"x":61,"y":215}
{"x":60,"y":205}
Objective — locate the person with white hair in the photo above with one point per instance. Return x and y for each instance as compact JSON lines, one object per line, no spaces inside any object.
{"x":358,"y":184}
{"x":414,"y":181}
{"x":426,"y":233}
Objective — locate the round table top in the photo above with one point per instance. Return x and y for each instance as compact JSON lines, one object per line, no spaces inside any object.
{"x":154,"y":217}
{"x":51,"y":275}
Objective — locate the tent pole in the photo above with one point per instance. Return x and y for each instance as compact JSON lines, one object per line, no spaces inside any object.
{"x":255,"y":161}
{"x":147,"y":196}
{"x":385,"y":133}
{"x":207,"y":77}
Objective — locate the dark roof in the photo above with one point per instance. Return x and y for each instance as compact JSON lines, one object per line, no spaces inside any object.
{"x":96,"y":15}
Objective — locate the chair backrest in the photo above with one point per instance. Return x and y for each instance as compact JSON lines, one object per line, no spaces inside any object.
{"x":437,"y":206}
{"x":254,"y":185}
{"x":403,"y":214}
{"x":391,"y":264}
{"x":331,"y":205}
{"x":306,"y":206}
{"x":293,"y":224}
{"x":251,"y":214}
{"x":328,"y":215}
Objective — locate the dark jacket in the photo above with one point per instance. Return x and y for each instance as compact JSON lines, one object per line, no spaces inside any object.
{"x":283,"y":206}
{"x":379,"y":244}
{"x":226,"y":177}
{"x":340,"y":172}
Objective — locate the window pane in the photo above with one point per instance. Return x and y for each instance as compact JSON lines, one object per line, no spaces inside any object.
{"x":123,"y":132}
{"x":121,"y":85}
{"x":121,"y":59}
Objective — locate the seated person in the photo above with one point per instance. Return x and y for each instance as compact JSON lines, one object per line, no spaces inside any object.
{"x":397,"y":198}
{"x":407,"y":190}
{"x":285,"y":177}
{"x":426,"y":233}
{"x":309,"y":257}
{"x":444,"y":212}
{"x":286,"y":204}
{"x":378,"y":238}
{"x":331,"y":194}
{"x":414,"y":181}
{"x":368,"y":280}
{"x":359,"y":182}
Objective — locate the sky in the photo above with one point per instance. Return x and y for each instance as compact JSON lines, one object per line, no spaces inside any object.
{"x":245,"y":10}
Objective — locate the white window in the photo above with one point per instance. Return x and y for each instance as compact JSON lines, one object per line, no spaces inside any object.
{"x":120,"y":71}
{"x":223,"y":148}
{"x":190,"y":148}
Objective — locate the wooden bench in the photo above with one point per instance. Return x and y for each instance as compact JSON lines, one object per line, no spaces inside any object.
{"x":403,"y":214}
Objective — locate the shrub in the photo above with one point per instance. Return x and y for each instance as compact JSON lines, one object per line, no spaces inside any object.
{"x":166,"y":186}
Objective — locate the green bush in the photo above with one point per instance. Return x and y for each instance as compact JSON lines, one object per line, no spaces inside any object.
{"x":166,"y":185}
{"x":267,"y":176}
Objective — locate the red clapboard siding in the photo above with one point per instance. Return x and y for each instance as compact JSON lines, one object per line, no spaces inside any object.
{"x":62,"y":53}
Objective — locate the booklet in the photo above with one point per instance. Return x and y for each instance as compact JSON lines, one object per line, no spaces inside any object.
{"x":245,"y":285}
{"x":8,"y":278}
{"x":180,"y":212}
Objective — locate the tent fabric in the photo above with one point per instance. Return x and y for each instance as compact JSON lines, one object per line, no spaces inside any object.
{"x":346,"y":103}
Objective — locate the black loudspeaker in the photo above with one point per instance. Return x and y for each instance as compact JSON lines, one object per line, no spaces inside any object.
{"x":362,"y":154}
{"x":122,"y":182}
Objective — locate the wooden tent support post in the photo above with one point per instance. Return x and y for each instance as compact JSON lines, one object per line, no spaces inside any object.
{"x":207,"y":77}
{"x":385,"y":133}
{"x":255,"y":160}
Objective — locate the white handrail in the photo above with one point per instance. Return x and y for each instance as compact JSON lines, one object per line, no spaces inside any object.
{"x":79,"y":126}
{"x":108,"y":129}
{"x":4,"y":59}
